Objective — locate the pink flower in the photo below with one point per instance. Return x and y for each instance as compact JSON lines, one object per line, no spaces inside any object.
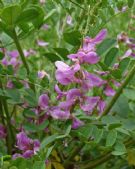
{"x":4,"y":61}
{"x":57,"y":113}
{"x":27,"y":146}
{"x":42,"y":43}
{"x":42,"y":1}
{"x":66,"y":74}
{"x":10,"y":84}
{"x":76,"y":123}
{"x":69,"y":20}
{"x":43,"y":101}
{"x":23,"y":142}
{"x":90,"y":57}
{"x":109,"y":91}
{"x":59,"y":92}
{"x":42,"y":74}
{"x":13,"y":54}
{"x":101,"y":106}
{"x":94,"y":80}
{"x":89,"y":103}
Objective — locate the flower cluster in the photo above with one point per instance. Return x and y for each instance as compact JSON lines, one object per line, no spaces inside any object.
{"x":27,"y":146}
{"x":80,"y":84}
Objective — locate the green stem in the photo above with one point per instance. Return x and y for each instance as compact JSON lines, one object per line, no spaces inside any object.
{"x":19,"y":48}
{"x":88,"y":21}
{"x":77,"y":4}
{"x":17,"y":43}
{"x":118,"y":93}
{"x":72,"y":155}
{"x":103,"y":158}
{"x":10,"y":134}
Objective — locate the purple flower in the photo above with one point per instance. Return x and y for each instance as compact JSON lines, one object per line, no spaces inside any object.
{"x":4,"y":61}
{"x":109,"y":91}
{"x":10,"y":84}
{"x":101,"y":106}
{"x":94,"y":80}
{"x":42,"y":1}
{"x":43,"y":101}
{"x":14,"y":62}
{"x":76,"y":123}
{"x":89,"y":43}
{"x":45,"y":27}
{"x":23,"y":142}
{"x":13,"y":54}
{"x":66,"y":74}
{"x":36,"y":145}
{"x":28,"y":146}
{"x":89,"y":103}
{"x":42,"y":43}
{"x":29,"y":52}
{"x":16,"y":155}
{"x":28,"y":154}
{"x":59,"y":92}
{"x":73,"y":94}
{"x":100,"y":36}
{"x":90,"y":57}
{"x":42,"y":74}
{"x":69,"y":20}
{"x":57,"y":113}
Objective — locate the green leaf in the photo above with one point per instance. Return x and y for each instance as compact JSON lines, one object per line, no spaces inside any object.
{"x":119,"y":149}
{"x":66,"y":133}
{"x":105,"y":46}
{"x":49,"y":15}
{"x":62,"y":52}
{"x":48,"y":140}
{"x":30,"y":97}
{"x":27,"y":15}
{"x":124,"y":64}
{"x":14,"y":95}
{"x":29,"y":113}
{"x":52,"y":57}
{"x":110,"y":57}
{"x":9,"y":14}
{"x":1,"y":55}
{"x":130,"y":3}
{"x":35,"y":128}
{"x":73,"y":38}
{"x":129,"y":93}
{"x":39,"y":165}
{"x":35,"y":15}
{"x":109,"y":119}
{"x":97,"y":134}
{"x":85,"y":131}
{"x":111,"y":138}
{"x":121,"y":106}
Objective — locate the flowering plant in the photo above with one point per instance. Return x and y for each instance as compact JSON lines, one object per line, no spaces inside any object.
{"x":67,"y":84}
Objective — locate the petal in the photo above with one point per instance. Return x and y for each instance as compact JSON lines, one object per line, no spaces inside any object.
{"x":89,"y":103}
{"x":43,"y":101}
{"x":100,"y":36}
{"x":76,"y":123}
{"x":62,"y":66}
{"x":57,"y":113}
{"x":91,"y":58}
{"x":23,"y":142}
{"x":109,"y":91}
{"x":94,"y":80}
{"x":28,"y":154}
